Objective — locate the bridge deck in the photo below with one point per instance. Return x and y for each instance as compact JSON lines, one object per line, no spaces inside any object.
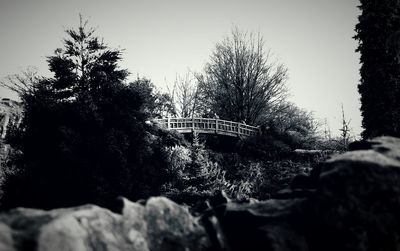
{"x":208,"y":126}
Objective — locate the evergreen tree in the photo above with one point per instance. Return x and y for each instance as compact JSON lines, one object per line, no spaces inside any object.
{"x":84,"y":138}
{"x":194,"y":175}
{"x":84,"y":63}
{"x":378,"y":34}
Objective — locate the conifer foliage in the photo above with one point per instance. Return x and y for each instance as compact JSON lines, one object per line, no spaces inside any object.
{"x":378,"y":34}
{"x":84,"y":138}
{"x":84,"y":62}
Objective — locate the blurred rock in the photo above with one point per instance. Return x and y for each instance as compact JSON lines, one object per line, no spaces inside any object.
{"x":6,"y":241}
{"x":171,"y":227}
{"x":355,"y":205}
{"x":266,"y":225}
{"x":358,"y":200}
{"x":159,"y":225}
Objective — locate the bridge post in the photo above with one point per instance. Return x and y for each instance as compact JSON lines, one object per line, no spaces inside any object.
{"x":168,"y":123}
{"x":216,"y":126}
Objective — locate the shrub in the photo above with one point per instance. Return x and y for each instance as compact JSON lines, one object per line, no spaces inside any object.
{"x":195,"y":175}
{"x":266,"y":147}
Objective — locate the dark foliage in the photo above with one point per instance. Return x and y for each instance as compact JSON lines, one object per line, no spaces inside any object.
{"x":91,"y":150}
{"x":378,"y":33}
{"x":84,"y":138}
{"x":268,"y":147}
{"x":275,"y":143}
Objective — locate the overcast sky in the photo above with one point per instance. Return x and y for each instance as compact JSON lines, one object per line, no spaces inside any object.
{"x":161,"y":39}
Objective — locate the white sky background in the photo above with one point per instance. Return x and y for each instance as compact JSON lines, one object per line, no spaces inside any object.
{"x":313,"y":38}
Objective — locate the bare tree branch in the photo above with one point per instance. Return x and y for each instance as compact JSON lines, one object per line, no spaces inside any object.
{"x":241,"y":82}
{"x":23,"y":82}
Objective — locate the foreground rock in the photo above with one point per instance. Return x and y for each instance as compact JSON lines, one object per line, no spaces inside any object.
{"x":350,"y":202}
{"x":159,"y":225}
{"x":358,"y":199}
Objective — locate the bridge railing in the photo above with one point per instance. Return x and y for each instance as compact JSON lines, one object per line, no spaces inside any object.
{"x":208,"y":125}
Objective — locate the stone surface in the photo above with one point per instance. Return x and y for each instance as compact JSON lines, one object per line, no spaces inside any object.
{"x":358,"y":198}
{"x":162,"y":216}
{"x":6,"y":240}
{"x":351,"y":202}
{"x":264,"y":225}
{"x":160,"y":224}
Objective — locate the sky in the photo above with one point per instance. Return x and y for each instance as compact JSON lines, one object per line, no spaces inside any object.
{"x":165,"y":38}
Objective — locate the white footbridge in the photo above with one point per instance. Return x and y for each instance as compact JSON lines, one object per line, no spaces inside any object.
{"x":209,"y":126}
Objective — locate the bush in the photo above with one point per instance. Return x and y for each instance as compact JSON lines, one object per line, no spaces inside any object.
{"x":266,"y":147}
{"x":197,"y":173}
{"x":196,"y":176}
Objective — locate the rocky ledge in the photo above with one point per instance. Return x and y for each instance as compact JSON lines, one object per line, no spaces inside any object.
{"x":350,"y":202}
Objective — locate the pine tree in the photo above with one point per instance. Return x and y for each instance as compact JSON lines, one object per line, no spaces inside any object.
{"x":84,"y":63}
{"x":378,"y":34}
{"x":83,"y":138}
{"x":199,"y":158}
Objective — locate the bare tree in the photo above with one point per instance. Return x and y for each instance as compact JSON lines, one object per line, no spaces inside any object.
{"x":185,"y":95}
{"x":241,"y":82}
{"x":327,"y":131}
{"x":345,"y":131}
{"x":23,"y":82}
